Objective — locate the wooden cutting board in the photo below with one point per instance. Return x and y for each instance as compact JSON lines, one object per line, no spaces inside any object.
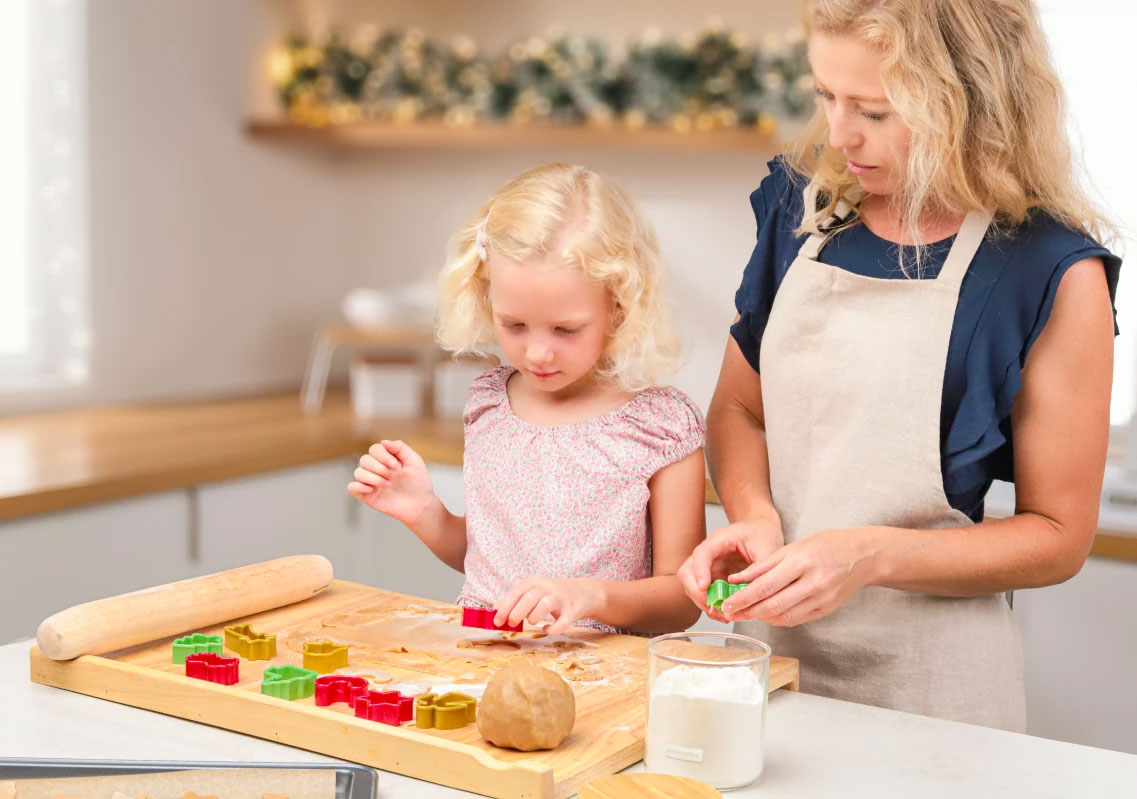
{"x":647,"y":786}
{"x":398,"y":640}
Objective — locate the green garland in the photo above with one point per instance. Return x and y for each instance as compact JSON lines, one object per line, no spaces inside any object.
{"x":714,"y":79}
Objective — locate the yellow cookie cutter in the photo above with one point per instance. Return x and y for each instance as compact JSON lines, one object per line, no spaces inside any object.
{"x":446,"y":712}
{"x":324,"y":657}
{"x":249,"y":644}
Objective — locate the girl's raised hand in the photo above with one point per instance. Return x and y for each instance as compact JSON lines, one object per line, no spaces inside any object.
{"x":537,"y":598}
{"x":392,"y":479}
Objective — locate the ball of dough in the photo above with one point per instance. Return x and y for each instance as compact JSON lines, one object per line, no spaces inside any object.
{"x":526,"y":707}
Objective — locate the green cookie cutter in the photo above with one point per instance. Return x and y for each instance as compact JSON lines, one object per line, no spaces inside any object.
{"x":450,"y":711}
{"x":720,"y":590}
{"x":195,"y":644}
{"x":288,"y":682}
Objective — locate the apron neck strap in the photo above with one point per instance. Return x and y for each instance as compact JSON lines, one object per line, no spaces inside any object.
{"x":963,"y":249}
{"x":841,"y":213}
{"x":959,"y":257}
{"x":812,"y":246}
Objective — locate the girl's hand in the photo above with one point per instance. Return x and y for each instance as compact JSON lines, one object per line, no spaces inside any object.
{"x":392,"y":479}
{"x":536,"y":598}
{"x":725,"y":555}
{"x":807,"y":579}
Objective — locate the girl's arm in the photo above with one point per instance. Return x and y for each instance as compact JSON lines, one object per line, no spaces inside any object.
{"x":443,"y":533}
{"x":677,"y":509}
{"x":392,"y":478}
{"x":1061,"y":431}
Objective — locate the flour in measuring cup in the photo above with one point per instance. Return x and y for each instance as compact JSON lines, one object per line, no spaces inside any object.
{"x":707,"y":724}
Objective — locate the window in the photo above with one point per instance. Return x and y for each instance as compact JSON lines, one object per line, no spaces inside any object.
{"x":1091,"y":43}
{"x":44,"y":335}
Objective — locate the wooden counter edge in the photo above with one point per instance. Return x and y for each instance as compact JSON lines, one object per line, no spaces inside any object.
{"x":125,"y":486}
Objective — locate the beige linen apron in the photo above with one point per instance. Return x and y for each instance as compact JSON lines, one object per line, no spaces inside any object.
{"x":852,"y":375}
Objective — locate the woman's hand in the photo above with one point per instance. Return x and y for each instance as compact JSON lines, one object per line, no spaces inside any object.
{"x":536,"y":598}
{"x":392,"y":479}
{"x":807,"y":579}
{"x":727,"y":552}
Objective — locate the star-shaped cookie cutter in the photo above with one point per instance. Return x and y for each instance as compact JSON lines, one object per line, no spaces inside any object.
{"x":386,"y":707}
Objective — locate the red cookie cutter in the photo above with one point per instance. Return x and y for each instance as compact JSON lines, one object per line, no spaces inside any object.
{"x":482,"y":618}
{"x":214,"y":668}
{"x":386,"y":707}
{"x":332,"y":688}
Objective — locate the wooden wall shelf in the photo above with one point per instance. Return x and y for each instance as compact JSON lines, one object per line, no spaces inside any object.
{"x":487,"y":136}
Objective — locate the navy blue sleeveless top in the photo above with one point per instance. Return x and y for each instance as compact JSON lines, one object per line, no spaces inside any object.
{"x":1004,"y":303}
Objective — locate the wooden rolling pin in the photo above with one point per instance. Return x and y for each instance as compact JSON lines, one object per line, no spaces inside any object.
{"x":107,"y":625}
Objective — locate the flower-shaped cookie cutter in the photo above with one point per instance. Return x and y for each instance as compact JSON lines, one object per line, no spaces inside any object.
{"x":212,"y":667}
{"x":249,"y":644}
{"x":194,"y":645}
{"x":324,"y":657}
{"x":386,"y":707}
{"x":332,"y":688}
{"x":288,"y":682}
{"x":450,"y":711}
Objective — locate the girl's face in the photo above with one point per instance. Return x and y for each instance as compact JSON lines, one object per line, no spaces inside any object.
{"x":551,"y":321}
{"x":862,"y":123}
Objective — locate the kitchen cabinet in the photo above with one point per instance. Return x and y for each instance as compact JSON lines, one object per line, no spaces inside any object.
{"x":56,"y":560}
{"x":397,"y":560}
{"x":1080,"y":644}
{"x":286,"y":512}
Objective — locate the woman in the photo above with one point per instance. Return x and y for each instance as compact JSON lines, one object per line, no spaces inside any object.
{"x":926,"y":309}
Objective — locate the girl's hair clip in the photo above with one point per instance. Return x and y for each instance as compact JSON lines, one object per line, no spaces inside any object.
{"x":482,"y":242}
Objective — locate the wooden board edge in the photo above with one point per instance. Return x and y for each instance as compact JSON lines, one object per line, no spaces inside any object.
{"x":394,"y":749}
{"x":784,"y":673}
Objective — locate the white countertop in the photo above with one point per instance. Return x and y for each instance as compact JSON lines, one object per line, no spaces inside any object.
{"x":815,"y":747}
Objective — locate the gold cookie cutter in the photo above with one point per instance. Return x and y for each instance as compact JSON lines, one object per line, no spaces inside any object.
{"x":450,"y":711}
{"x":324,"y":657}
{"x":249,"y":644}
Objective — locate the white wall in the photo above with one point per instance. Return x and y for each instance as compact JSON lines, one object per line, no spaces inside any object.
{"x":214,"y":256}
{"x":403,"y":205}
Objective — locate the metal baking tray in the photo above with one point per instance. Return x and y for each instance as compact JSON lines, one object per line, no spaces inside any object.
{"x":352,"y":781}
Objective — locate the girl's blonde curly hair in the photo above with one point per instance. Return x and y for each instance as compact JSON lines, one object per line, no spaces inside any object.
{"x":973,"y":81}
{"x":594,"y":226}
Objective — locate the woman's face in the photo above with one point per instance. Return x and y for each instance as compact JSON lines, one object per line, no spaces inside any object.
{"x":862,"y":123}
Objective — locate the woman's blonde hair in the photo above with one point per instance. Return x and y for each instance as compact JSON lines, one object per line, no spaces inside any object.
{"x":592,"y":225}
{"x":973,"y":81}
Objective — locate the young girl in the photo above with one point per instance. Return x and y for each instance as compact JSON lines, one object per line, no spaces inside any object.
{"x":583,"y":479}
